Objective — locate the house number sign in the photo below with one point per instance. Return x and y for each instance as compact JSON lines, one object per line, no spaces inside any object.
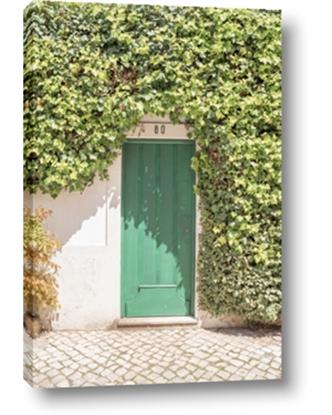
{"x":159,"y":129}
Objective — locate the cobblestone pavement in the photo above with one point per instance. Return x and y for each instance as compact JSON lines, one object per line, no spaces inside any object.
{"x":151,"y":355}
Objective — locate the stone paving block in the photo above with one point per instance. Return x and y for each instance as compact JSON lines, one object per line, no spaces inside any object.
{"x":231,"y":369}
{"x":194,"y":361}
{"x":58,"y":379}
{"x":236,"y":362}
{"x":182,"y":373}
{"x":75,"y":376}
{"x":263,"y":366}
{"x":39,"y":379}
{"x":83,"y":368}
{"x":168,"y":375}
{"x":129,"y":375}
{"x":212,"y":369}
{"x":140,"y":380}
{"x":67,"y":371}
{"x":63,"y":384}
{"x":44,"y":369}
{"x":190,"y":367}
{"x":250,"y":376}
{"x":121,"y":371}
{"x":120,"y":361}
{"x":157,"y":369}
{"x":236,"y":377}
{"x":52,"y":373}
{"x":46,"y":383}
{"x":222,"y":374}
{"x":275,"y":365}
{"x":164,"y":363}
{"x":160,"y":380}
{"x":39,"y":365}
{"x":198,"y":373}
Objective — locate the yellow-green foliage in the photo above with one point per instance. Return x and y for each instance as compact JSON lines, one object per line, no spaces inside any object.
{"x":39,"y":285}
{"x":93,"y":70}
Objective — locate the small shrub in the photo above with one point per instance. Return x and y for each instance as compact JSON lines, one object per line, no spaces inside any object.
{"x":40,"y":286}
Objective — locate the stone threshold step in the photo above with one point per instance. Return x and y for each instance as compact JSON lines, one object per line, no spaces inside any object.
{"x":156,"y":321}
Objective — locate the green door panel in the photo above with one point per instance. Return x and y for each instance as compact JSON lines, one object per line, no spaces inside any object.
{"x":158,"y":228}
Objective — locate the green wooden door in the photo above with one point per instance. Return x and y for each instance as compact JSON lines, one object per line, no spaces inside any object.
{"x":158,"y":228}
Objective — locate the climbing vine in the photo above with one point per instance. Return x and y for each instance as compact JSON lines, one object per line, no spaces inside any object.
{"x":93,"y":70}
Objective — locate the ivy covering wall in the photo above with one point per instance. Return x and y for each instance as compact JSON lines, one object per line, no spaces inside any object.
{"x":91,"y":71}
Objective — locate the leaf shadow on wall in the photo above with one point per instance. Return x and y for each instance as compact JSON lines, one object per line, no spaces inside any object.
{"x":81,"y":219}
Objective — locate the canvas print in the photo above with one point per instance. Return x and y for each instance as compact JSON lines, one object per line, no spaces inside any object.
{"x":152,"y":194}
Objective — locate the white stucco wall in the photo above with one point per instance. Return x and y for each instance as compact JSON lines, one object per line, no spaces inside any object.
{"x":28,"y":200}
{"x":88,"y":227}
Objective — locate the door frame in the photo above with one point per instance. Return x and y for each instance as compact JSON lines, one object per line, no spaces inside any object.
{"x":179,"y":141}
